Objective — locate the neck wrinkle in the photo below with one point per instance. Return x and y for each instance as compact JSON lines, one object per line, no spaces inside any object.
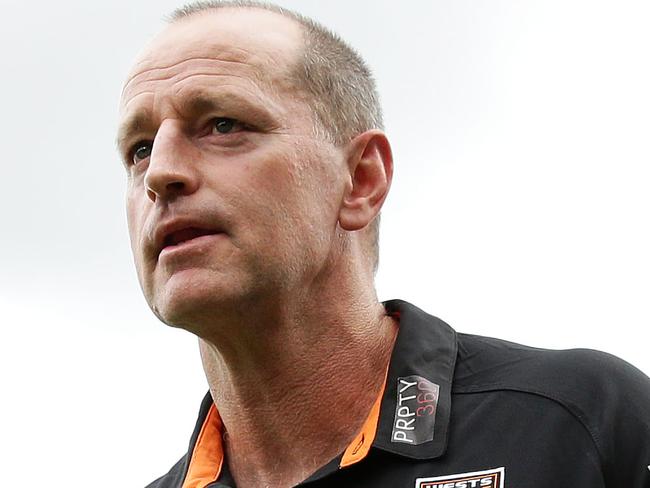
{"x":307,"y":379}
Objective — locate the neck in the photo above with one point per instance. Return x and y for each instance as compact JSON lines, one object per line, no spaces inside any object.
{"x":290,"y":375}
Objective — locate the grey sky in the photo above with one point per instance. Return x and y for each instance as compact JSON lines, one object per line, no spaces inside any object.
{"x":519,"y":207}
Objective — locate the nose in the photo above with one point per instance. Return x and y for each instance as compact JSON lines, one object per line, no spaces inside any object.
{"x":170,"y":173}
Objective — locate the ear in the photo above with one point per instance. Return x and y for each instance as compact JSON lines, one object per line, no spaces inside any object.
{"x":370,"y":165}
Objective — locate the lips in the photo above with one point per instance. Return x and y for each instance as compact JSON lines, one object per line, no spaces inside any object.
{"x":187,"y":234}
{"x":175,"y":232}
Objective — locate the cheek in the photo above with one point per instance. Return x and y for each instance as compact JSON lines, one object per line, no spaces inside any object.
{"x":134,"y":219}
{"x":282,"y":196}
{"x":299,"y":196}
{"x":131,"y":217}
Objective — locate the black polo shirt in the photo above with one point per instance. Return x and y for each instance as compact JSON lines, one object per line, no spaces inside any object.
{"x":463,"y":411}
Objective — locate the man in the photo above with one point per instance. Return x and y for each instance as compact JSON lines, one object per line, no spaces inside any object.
{"x":257,"y":168}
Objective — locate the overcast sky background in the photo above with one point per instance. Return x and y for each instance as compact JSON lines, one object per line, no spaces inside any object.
{"x":519,"y":207}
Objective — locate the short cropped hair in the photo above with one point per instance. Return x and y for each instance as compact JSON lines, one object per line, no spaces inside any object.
{"x":341,"y":89}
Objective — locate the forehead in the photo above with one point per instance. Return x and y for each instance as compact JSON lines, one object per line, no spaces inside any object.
{"x":251,"y":43}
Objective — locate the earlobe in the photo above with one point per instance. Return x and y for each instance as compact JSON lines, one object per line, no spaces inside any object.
{"x":370,"y":163}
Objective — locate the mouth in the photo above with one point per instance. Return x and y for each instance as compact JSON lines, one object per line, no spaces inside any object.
{"x":183,"y":236}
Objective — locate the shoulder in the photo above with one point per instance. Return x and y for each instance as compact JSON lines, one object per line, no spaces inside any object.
{"x":607,"y":395}
{"x":576,"y":376}
{"x":574,"y":373}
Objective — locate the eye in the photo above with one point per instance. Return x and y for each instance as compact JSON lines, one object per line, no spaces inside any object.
{"x":224,"y":125}
{"x":142,"y":150}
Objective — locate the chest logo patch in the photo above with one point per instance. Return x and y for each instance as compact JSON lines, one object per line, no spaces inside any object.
{"x":492,"y":478}
{"x":415,"y":410}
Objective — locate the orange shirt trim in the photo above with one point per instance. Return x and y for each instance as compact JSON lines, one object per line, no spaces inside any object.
{"x":207,"y":457}
{"x":360,"y":446}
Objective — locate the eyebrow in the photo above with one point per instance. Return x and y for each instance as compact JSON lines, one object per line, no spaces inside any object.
{"x":198,"y":103}
{"x":194,"y":105}
{"x":137,"y":122}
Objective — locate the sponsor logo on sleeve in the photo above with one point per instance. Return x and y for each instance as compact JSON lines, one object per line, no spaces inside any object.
{"x":415,"y":411}
{"x":492,"y":478}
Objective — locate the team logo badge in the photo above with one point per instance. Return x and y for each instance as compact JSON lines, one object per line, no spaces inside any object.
{"x":492,"y":478}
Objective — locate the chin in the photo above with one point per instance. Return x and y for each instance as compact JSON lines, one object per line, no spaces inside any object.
{"x":197,"y":303}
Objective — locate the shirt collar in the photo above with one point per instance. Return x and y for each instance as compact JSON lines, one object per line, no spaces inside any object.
{"x":425,"y":347}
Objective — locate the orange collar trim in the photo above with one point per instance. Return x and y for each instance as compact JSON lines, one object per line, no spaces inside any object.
{"x":360,"y":446}
{"x":207,"y":457}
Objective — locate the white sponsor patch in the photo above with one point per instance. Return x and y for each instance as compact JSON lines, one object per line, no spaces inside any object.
{"x":415,"y":410}
{"x":492,"y":478}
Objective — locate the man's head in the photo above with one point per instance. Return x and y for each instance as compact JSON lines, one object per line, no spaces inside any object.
{"x":242,"y":123}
